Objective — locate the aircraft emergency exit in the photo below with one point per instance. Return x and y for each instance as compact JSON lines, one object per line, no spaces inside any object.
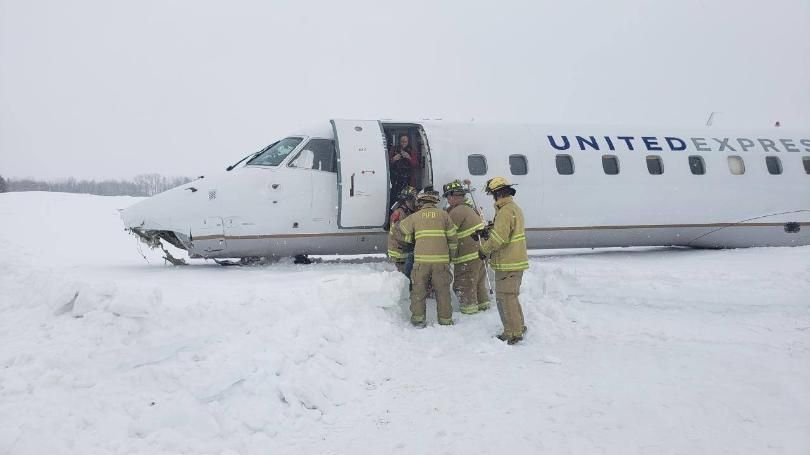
{"x":327,"y":191}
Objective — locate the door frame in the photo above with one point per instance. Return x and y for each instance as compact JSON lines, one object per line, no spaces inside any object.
{"x":425,"y":152}
{"x":340,"y":176}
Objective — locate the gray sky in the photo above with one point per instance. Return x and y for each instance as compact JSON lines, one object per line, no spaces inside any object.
{"x":103,"y":88}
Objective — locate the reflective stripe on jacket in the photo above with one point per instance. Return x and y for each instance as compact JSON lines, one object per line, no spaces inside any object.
{"x":467,"y":221}
{"x":507,"y":238}
{"x":434,"y":234}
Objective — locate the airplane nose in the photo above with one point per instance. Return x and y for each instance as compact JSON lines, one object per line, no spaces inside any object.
{"x":143,"y":214}
{"x":166,"y":211}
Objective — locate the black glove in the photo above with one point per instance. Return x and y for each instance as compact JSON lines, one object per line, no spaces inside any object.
{"x":482,"y":255}
{"x":474,"y":236}
{"x":483,"y":233}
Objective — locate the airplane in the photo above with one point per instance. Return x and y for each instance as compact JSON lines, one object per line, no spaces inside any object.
{"x":326,"y":190}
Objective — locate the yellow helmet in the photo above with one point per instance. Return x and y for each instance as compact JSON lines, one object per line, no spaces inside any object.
{"x":497,"y":183}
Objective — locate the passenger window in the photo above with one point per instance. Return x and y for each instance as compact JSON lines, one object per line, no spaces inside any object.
{"x":655,"y":166}
{"x":477,"y":164}
{"x":697,"y":165}
{"x":610,"y":164}
{"x":518,"y":165}
{"x":565,"y":164}
{"x":774,"y":165}
{"x":806,"y":161}
{"x":318,"y":154}
{"x":736,"y":165}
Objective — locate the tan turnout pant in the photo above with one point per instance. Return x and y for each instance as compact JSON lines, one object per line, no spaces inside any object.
{"x":469,"y":284}
{"x":481,"y":283}
{"x":507,"y":289}
{"x":439,"y":276}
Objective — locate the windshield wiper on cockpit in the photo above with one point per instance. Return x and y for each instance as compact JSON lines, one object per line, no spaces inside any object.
{"x":232,"y":166}
{"x":251,"y":156}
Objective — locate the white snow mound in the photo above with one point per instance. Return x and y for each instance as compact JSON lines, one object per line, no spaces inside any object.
{"x":105,"y":349}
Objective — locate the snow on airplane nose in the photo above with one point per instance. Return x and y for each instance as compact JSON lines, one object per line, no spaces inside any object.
{"x":167,"y":211}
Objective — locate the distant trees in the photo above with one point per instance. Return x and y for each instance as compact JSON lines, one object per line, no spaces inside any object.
{"x":151,"y":184}
{"x":141,"y":185}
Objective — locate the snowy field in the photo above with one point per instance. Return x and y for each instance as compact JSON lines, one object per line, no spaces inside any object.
{"x":649,"y":351}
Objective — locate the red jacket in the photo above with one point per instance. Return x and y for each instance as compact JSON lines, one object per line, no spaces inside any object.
{"x":413,"y":161}
{"x":413,"y":153}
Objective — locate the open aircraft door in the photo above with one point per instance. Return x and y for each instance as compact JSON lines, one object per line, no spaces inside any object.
{"x":362,"y":173}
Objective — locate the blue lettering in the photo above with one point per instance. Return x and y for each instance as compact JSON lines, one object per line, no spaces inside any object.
{"x":592,"y":143}
{"x":651,"y":143}
{"x":671,"y":142}
{"x":806,"y":144}
{"x":553,"y":143}
{"x":627,"y":140}
{"x":609,"y":143}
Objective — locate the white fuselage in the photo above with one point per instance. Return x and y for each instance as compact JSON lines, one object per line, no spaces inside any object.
{"x":279,"y":210}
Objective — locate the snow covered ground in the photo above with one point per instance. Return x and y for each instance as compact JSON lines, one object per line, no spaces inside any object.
{"x":656,"y":351}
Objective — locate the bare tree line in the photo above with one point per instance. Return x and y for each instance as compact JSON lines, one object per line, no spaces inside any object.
{"x":140,"y":185}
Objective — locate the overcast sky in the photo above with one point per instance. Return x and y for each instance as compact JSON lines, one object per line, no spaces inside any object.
{"x":104,"y":88}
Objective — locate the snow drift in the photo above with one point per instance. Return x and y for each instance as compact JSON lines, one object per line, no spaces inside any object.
{"x":103,"y":350}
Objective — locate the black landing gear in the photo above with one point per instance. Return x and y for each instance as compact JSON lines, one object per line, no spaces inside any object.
{"x":302,"y":259}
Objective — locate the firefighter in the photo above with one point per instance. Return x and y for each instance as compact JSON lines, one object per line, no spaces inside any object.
{"x":469,"y":271}
{"x":434,"y":236}
{"x":506,"y":249}
{"x":406,"y":205}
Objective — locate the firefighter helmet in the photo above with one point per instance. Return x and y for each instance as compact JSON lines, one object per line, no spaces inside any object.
{"x":406,"y":193}
{"x":428,"y":196}
{"x":454,"y":187}
{"x":497,"y":183}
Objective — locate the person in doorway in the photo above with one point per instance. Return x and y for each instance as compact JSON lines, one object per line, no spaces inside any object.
{"x":434,"y":235}
{"x":402,"y":161}
{"x":397,"y":253}
{"x":469,"y":271}
{"x":506,"y":249}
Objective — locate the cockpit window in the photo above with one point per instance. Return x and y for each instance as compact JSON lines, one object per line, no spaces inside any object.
{"x":318,"y":154}
{"x":274,"y":154}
